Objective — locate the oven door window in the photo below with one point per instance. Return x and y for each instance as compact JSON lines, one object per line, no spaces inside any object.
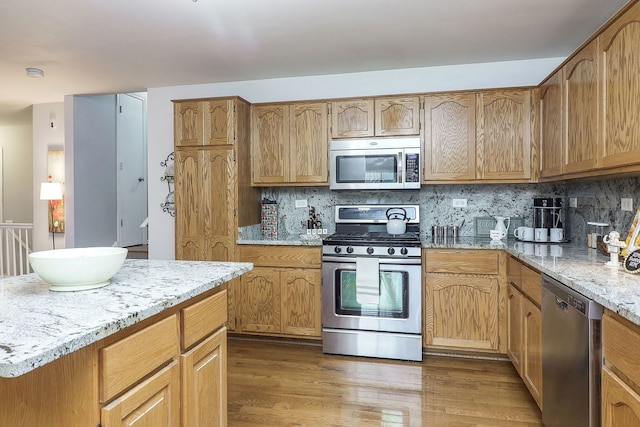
{"x":393,"y":295}
{"x":374,"y":168}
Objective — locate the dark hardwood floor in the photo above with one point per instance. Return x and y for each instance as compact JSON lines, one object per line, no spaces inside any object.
{"x":280,"y":384}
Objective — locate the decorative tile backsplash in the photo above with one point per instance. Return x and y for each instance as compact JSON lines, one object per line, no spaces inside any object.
{"x":597,"y":201}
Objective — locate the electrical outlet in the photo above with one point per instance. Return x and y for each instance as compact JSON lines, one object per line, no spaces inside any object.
{"x":573,"y":202}
{"x":459,"y":203}
{"x":301,"y":203}
{"x":626,"y":204}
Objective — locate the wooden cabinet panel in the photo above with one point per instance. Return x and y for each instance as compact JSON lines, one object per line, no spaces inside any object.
{"x":472,"y":262}
{"x":261,"y":302}
{"x":620,"y":403}
{"x":188,"y":188}
{"x":532,"y":284}
{"x":551,"y":140}
{"x":269,"y":141}
{"x":122,"y":364}
{"x":503,"y":131}
{"x":352,"y":118}
{"x":397,"y":116}
{"x":204,"y":379}
{"x":462,"y":312}
{"x":620,"y":63}
{"x":188,"y":123}
{"x":450,"y":137}
{"x":301,"y":292}
{"x":515,"y":342}
{"x":155,"y":402}
{"x":218,"y":122}
{"x":281,"y":256}
{"x":216,"y":202}
{"x":308,"y":143}
{"x":532,"y":354}
{"x":621,"y":346}
{"x":514,"y":272}
{"x":202,"y":318}
{"x":580,"y":89}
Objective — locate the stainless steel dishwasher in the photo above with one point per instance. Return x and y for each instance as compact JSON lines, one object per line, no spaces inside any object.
{"x":571,"y":357}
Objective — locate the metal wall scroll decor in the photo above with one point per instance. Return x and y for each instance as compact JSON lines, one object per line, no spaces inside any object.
{"x":168,"y":206}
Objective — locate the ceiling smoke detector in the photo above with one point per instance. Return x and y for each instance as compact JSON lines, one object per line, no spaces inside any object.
{"x":34,"y":72}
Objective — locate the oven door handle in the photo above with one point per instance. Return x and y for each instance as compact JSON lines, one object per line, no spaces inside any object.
{"x":394,"y":261}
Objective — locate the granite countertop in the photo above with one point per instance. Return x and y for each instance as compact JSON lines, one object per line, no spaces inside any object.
{"x":577,"y":266}
{"x":39,"y":326}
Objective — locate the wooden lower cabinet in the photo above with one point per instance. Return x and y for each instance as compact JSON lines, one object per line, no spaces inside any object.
{"x":620,"y":376}
{"x":154,"y":402}
{"x":204,"y":382}
{"x":464,"y":300}
{"x":524,"y":325}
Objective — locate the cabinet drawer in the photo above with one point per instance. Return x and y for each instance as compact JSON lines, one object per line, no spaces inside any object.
{"x":463,"y":262}
{"x":621,"y":346}
{"x":127,"y":361}
{"x":281,"y":256}
{"x":202,"y":318}
{"x":514,"y":271}
{"x":532,"y":284}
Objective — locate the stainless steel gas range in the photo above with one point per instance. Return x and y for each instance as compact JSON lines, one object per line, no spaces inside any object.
{"x":371,"y":285}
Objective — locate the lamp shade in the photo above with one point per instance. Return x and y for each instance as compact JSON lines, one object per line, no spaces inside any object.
{"x":50,"y":191}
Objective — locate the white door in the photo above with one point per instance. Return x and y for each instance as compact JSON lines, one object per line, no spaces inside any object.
{"x":132,"y":170}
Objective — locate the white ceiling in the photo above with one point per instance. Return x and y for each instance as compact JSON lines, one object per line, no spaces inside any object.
{"x":114,"y":46}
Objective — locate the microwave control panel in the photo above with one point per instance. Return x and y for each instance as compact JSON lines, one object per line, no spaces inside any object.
{"x":413,"y":167}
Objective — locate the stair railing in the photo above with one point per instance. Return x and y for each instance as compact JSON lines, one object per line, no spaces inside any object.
{"x":15,"y":247}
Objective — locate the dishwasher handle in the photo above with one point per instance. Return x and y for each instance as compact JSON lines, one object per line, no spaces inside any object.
{"x":561,"y":304}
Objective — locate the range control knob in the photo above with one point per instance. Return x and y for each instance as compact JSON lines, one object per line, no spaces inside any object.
{"x":349,"y":250}
{"x":391,"y":251}
{"x":337,"y":249}
{"x":369,"y":250}
{"x":404,"y":251}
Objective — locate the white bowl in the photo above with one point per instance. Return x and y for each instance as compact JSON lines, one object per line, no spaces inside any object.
{"x":77,"y":269}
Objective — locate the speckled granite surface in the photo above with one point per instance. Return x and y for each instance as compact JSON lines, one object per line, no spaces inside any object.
{"x":574,"y":265}
{"x":38,"y":326}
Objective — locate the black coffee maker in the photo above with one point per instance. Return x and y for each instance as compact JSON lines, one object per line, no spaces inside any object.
{"x":547,"y":213}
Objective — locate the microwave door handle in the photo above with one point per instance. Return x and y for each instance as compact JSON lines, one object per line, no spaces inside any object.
{"x":400,"y":164}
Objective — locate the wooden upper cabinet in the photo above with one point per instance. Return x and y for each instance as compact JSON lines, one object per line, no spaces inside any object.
{"x":218,"y":122}
{"x":352,"y":118}
{"x":216,"y":199}
{"x":620,"y":62}
{"x":397,"y":116}
{"x":580,"y":91}
{"x":450,"y":137}
{"x":308,"y":143}
{"x":188,"y":123}
{"x":290,"y":143}
{"x":188,"y":190}
{"x":551,"y":141}
{"x":269,"y":134}
{"x":503,"y":131}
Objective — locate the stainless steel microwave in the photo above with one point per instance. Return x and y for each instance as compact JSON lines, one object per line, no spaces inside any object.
{"x":374,"y":164}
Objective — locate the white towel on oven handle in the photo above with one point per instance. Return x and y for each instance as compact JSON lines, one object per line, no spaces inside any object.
{"x":368,"y":281}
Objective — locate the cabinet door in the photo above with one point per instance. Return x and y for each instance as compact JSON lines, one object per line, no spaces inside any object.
{"x":218,"y":122}
{"x":503,"y":130}
{"x":514,"y":327}
{"x":187,"y":123}
{"x":462,"y":312}
{"x":154,"y":402}
{"x":188,"y":192}
{"x":352,"y":118}
{"x":551,"y":141}
{"x":308,"y":143}
{"x":204,"y":383}
{"x":397,"y":116}
{"x":269,"y":140}
{"x":620,"y":403}
{"x":450,"y":137}
{"x":261,"y":301}
{"x":532,"y":351}
{"x":301,"y":302}
{"x":621,"y":90}
{"x":217,"y":205}
{"x":581,"y":119}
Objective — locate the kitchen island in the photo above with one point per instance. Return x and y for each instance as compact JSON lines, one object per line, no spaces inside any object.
{"x":61,"y":353}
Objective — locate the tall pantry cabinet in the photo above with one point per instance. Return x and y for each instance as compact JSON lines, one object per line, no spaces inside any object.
{"x":213,"y":193}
